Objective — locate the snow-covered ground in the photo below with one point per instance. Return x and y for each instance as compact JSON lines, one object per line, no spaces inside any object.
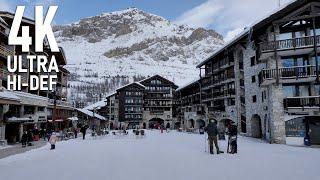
{"x":168,"y":156}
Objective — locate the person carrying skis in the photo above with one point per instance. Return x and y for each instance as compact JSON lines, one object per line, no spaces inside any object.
{"x":232,"y":132}
{"x":212,"y":131}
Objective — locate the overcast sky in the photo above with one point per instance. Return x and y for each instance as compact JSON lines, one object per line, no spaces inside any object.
{"x":228,"y":17}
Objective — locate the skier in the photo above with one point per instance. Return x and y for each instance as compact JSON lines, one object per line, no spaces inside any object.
{"x":83,"y":131}
{"x":232,"y":132}
{"x":53,"y":139}
{"x":24,"y":139}
{"x":212,"y":132}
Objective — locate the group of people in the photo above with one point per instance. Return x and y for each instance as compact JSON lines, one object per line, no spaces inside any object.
{"x":212,"y":131}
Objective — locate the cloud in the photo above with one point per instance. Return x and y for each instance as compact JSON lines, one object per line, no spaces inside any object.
{"x":5,"y":6}
{"x":228,"y":17}
{"x":232,"y":33}
{"x":200,"y":16}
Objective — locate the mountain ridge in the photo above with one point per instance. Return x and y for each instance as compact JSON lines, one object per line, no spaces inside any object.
{"x":119,"y":47}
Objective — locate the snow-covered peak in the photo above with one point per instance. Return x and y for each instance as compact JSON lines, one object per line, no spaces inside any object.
{"x":119,"y":47}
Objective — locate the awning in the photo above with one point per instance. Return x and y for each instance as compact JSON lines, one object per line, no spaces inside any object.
{"x":16,"y":119}
{"x":57,"y":120}
{"x":73,"y":118}
{"x":8,"y":97}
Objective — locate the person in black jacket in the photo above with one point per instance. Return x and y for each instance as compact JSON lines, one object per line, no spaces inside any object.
{"x":212,"y":131}
{"x":83,"y":131}
{"x":233,"y":131}
{"x":24,"y":139}
{"x":30,"y":138}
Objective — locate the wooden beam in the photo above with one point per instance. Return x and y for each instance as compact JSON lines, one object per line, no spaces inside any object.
{"x":304,"y":17}
{"x":299,"y":11}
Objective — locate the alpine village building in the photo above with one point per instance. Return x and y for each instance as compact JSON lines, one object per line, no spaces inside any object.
{"x":148,"y":103}
{"x":27,"y":109}
{"x":266,"y":80}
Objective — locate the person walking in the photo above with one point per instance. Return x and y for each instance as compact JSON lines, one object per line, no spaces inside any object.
{"x":212,"y":131}
{"x":24,"y":139}
{"x":53,"y":139}
{"x":30,"y":137}
{"x":75,"y":131}
{"x":83,"y":131}
{"x":232,"y":132}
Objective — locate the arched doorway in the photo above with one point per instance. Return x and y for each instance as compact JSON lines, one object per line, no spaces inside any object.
{"x":144,"y":125}
{"x":256,"y":129}
{"x":191,"y":123}
{"x":168,"y":126}
{"x":177,"y":125}
{"x":200,"y":124}
{"x":154,"y":123}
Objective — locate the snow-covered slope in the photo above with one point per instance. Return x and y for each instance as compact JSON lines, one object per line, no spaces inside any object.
{"x":131,"y":44}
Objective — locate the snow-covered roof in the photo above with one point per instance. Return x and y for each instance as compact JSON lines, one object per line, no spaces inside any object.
{"x":90,"y":113}
{"x":29,"y":95}
{"x":8,"y":95}
{"x":137,"y":83}
{"x":141,"y":81}
{"x":74,"y":118}
{"x":99,"y":104}
{"x":188,"y":84}
{"x":31,"y":99}
{"x":221,"y":49}
{"x":245,"y":32}
{"x":96,"y":105}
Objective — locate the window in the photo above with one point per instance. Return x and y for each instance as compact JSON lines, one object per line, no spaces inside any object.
{"x":253,"y":79}
{"x":253,"y":60}
{"x":231,"y":102}
{"x":254,"y":99}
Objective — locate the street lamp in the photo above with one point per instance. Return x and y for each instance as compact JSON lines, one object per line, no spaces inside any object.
{"x":54,"y":95}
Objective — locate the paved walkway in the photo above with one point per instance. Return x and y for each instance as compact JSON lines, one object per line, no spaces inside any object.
{"x":17,"y":149}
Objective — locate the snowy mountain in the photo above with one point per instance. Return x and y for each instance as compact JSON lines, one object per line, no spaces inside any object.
{"x":116,"y":48}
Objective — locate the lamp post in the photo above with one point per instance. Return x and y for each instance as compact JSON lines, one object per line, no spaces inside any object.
{"x":107,"y":113}
{"x":54,"y":95}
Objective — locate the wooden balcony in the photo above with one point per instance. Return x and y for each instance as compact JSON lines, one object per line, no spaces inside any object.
{"x":288,"y":74}
{"x":289,"y":44}
{"x":5,"y":51}
{"x":302,"y":103}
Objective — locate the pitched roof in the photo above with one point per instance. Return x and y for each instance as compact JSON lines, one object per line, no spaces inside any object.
{"x":221,"y":49}
{"x":99,"y":104}
{"x":130,"y":84}
{"x":188,"y":84}
{"x":157,"y":76}
{"x":90,"y":113}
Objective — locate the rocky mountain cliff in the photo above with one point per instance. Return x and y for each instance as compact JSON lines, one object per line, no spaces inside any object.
{"x":112,"y":49}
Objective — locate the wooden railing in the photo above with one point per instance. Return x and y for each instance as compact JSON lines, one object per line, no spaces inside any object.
{"x":302,"y":102}
{"x":307,"y":41}
{"x":6,"y":51}
{"x":288,"y":72}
